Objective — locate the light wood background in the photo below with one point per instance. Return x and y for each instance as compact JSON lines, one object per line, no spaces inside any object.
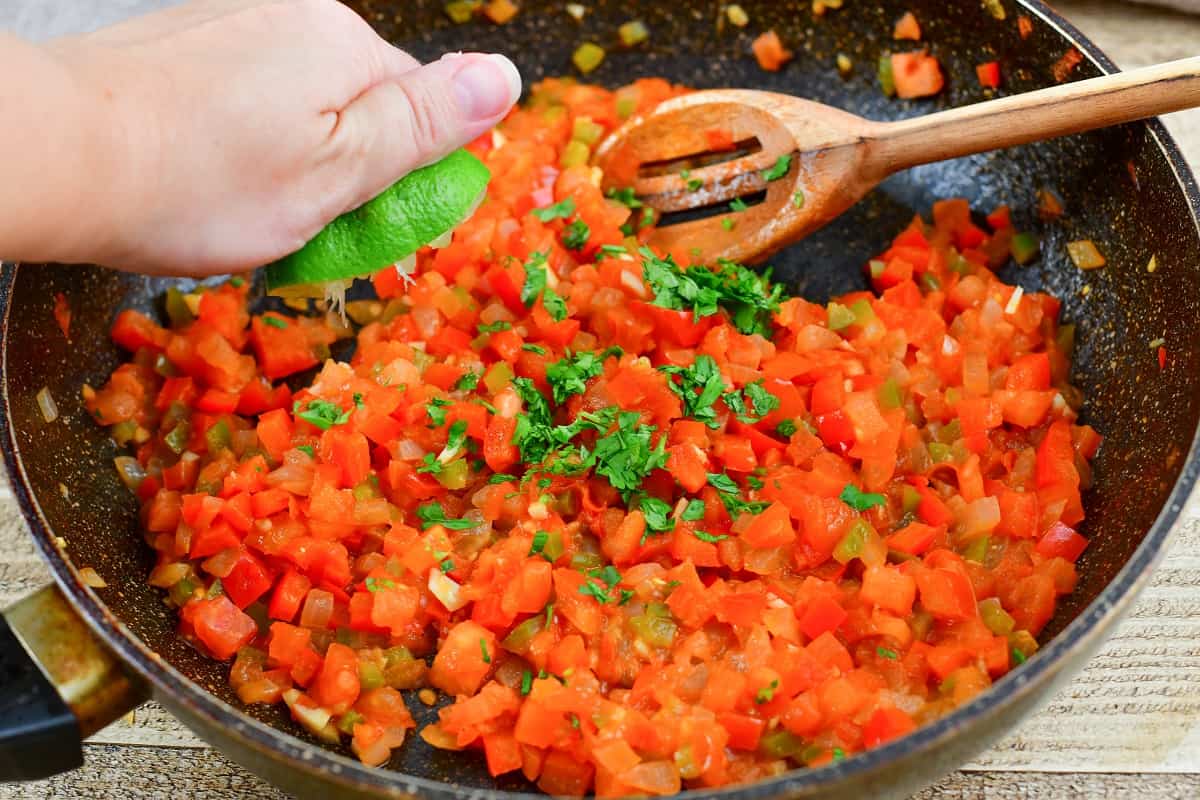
{"x":1128,"y":726}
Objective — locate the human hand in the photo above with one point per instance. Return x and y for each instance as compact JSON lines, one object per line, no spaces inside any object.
{"x":239,"y":128}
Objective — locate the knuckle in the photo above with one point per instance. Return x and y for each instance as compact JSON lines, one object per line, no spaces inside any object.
{"x":427,"y":117}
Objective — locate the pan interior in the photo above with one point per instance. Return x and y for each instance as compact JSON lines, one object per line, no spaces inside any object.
{"x":1118,"y":186}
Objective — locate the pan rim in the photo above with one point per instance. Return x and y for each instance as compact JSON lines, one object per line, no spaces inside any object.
{"x":310,"y":759}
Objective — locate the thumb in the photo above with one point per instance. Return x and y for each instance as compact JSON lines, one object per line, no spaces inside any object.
{"x":418,"y":117}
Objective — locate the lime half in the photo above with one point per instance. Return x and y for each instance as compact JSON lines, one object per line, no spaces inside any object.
{"x":421,"y":208}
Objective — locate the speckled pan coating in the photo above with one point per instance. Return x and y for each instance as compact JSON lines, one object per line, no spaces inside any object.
{"x":1127,"y":188}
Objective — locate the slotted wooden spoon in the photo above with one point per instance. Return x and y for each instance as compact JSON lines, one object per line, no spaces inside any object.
{"x":709,"y":148}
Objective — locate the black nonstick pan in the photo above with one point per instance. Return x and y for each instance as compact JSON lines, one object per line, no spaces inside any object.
{"x":1126,"y":188}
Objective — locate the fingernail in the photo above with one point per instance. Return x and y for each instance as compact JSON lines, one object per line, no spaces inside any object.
{"x":487,"y":87}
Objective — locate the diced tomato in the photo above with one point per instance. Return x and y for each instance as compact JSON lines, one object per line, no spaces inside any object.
{"x":220,"y":625}
{"x":989,"y":74}
{"x":916,"y":75}
{"x":770,"y":52}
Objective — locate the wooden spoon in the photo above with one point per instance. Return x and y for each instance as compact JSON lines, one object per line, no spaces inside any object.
{"x":710,"y":148}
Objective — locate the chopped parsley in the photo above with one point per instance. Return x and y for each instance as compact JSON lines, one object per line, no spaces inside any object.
{"x":626,"y":456}
{"x":1018,"y":657}
{"x":358,"y":399}
{"x":786,"y":427}
{"x":554,"y":304}
{"x":307,"y":448}
{"x":437,"y":411}
{"x":457,"y":435}
{"x":859,"y":500}
{"x":535,"y":279}
{"x":728,"y":224}
{"x":535,"y":427}
{"x":754,"y":482}
{"x":569,"y":375}
{"x":722,"y":483}
{"x":699,"y":386}
{"x":467,"y":382}
{"x":237,"y":282}
{"x":487,"y":658}
{"x":708,"y":537}
{"x":883,"y":652}
{"x":446,"y":566}
{"x":274,"y":322}
{"x":526,"y":682}
{"x":375,"y":584}
{"x":611,"y":251}
{"x":626,"y":197}
{"x":430,"y":465}
{"x":539,"y":543}
{"x":738,"y":205}
{"x":752,"y":403}
{"x":778,"y":170}
{"x":746,"y":296}
{"x":321,"y":414}
{"x":432,"y":514}
{"x":766,"y":693}
{"x":557,"y":211}
{"x":603,"y":593}
{"x":575,"y":236}
{"x":501,"y":477}
{"x":694,"y":510}
{"x":534,"y":348}
{"x":494,"y":327}
{"x":694,"y":184}
{"x":658,"y":516}
{"x":731,"y":496}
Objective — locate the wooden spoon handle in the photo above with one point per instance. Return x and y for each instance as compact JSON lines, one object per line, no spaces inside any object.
{"x":1034,"y":116}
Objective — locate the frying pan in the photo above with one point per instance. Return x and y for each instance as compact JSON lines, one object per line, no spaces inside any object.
{"x":1127,"y":188}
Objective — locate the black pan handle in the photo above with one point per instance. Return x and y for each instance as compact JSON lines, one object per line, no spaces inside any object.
{"x":58,"y":685}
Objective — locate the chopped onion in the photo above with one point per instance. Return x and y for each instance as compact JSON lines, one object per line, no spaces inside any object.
{"x":47,"y":405}
{"x":446,"y":590}
{"x":428,"y":320}
{"x":92,"y":578}
{"x":1014,"y":302}
{"x":633,"y":283}
{"x":130,"y":470}
{"x":408,"y":450}
{"x":443,"y":241}
{"x":576,"y":10}
{"x":310,"y":716}
{"x":317,"y":610}
{"x":222,"y":563}
{"x":164,"y":576}
{"x":979,"y":517}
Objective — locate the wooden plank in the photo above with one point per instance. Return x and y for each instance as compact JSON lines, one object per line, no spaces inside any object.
{"x":1134,"y":709}
{"x":111,"y":771}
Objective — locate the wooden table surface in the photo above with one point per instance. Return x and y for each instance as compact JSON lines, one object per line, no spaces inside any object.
{"x":1129,"y":725}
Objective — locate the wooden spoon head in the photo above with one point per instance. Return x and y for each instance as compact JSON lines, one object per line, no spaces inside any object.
{"x":796,"y":163}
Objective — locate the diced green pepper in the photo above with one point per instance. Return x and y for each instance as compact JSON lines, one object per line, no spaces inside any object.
{"x":887,"y":78}
{"x":498,"y":377}
{"x":654,"y":631}
{"x":977,"y":550}
{"x":950,"y":432}
{"x":877,"y":268}
{"x":218,"y":437}
{"x":633,"y":33}
{"x":587,"y":131}
{"x":587,"y":57}
{"x":519,"y":638}
{"x":910,"y":498}
{"x":164,"y":367}
{"x":178,"y":438}
{"x":461,"y":11}
{"x":890,"y":395}
{"x":997,"y":620}
{"x":455,"y":474}
{"x":370,"y":675}
{"x":840,"y":317}
{"x":575,"y":154}
{"x":1024,"y":248}
{"x":177,"y":309}
{"x":780,"y":744}
{"x":863,"y":313}
{"x":553,"y":549}
{"x":347,"y":721}
{"x":854,"y":542}
{"x":940,"y":453}
{"x":584,"y":559}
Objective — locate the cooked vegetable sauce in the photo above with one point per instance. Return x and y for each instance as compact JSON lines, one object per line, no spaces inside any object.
{"x":652,"y":525}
